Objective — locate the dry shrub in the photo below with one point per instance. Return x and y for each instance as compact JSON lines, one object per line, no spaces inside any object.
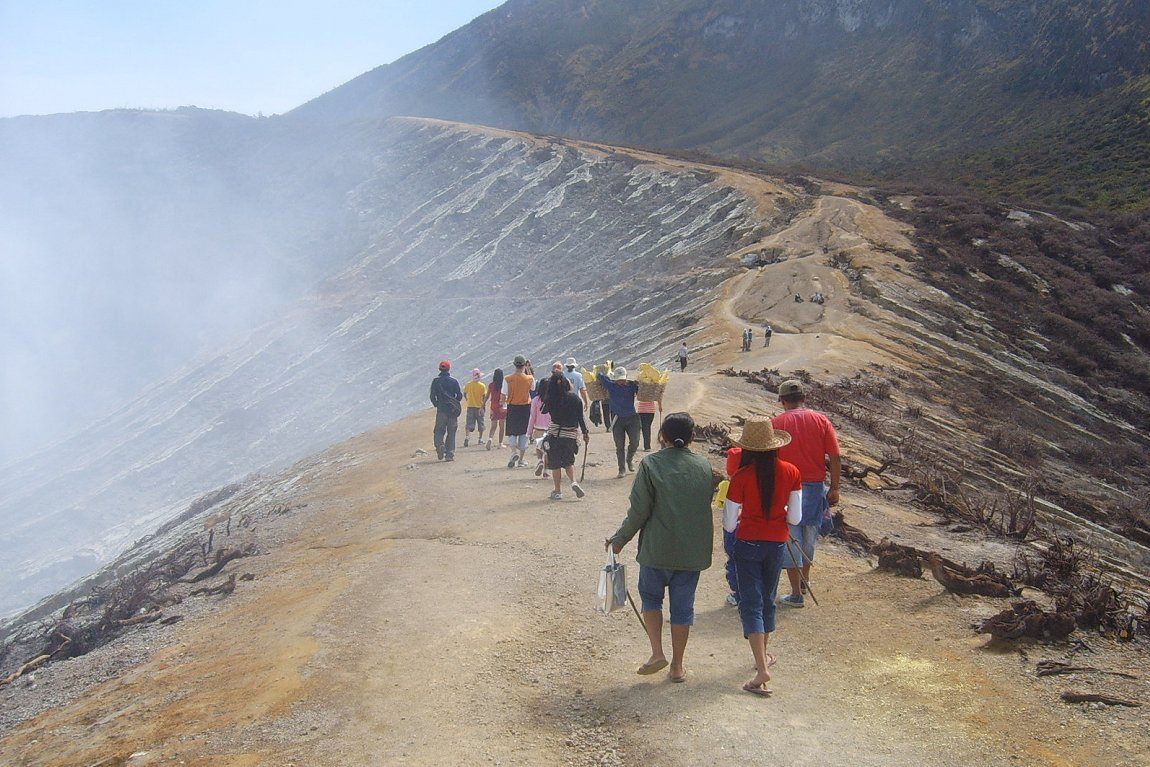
{"x":1016,"y":444}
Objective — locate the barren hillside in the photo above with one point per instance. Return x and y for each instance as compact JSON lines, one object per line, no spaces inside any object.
{"x":405,"y":611}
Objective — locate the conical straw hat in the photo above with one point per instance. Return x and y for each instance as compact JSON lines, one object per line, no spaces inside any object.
{"x":760,"y":436}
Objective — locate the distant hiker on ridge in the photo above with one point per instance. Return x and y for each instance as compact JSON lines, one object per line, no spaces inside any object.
{"x":768,"y":331}
{"x":445,"y":396}
{"x":682,"y":356}
{"x":813,"y":443}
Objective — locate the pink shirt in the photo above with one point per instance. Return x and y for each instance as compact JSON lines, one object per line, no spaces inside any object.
{"x":812,"y":439}
{"x":538,"y":419}
{"x":642,"y":406}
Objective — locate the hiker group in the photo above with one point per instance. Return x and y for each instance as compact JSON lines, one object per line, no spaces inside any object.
{"x":774,"y":505}
{"x":749,"y":335}
{"x":547,"y":413}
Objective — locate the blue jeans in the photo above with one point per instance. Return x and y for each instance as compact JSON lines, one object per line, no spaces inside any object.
{"x":757,"y":566}
{"x":444,"y":434}
{"x":729,"y":549}
{"x":681,"y":585}
{"x":807,"y":531}
{"x":805,"y":536}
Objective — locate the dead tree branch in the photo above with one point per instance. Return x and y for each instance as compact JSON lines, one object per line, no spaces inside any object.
{"x":225,"y":588}
{"x":1027,"y":619}
{"x":1094,"y":697}
{"x":980,"y":583}
{"x":31,"y":665}
{"x":1053,"y":667}
{"x":223,"y":556}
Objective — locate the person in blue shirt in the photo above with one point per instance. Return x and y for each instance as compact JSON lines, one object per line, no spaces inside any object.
{"x":621,"y":395}
{"x":578,"y":385}
{"x":446,"y":397}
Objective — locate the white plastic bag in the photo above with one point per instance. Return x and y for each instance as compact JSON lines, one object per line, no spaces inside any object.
{"x":612,"y":585}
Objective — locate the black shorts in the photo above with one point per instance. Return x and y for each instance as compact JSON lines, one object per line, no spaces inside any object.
{"x":561,"y":451}
{"x":517,"y":418}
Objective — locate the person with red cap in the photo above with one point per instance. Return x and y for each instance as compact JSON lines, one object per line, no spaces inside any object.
{"x":446,"y":397}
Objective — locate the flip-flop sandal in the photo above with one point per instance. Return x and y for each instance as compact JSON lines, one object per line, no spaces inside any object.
{"x":759,"y":690}
{"x":770,"y":660}
{"x":653,"y":668}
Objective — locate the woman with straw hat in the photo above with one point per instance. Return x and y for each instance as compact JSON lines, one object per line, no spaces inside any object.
{"x":765,"y":494}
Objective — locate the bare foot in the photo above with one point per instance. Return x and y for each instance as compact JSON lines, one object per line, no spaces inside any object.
{"x":677,"y":674}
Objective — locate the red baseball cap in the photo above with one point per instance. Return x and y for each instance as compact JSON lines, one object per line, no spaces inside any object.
{"x":445,"y":365}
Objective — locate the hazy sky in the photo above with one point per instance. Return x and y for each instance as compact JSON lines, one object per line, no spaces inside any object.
{"x":245,"y":56}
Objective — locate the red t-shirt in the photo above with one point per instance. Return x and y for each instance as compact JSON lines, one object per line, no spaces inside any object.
{"x":734,"y":458}
{"x":744,"y":489}
{"x":812,"y":439}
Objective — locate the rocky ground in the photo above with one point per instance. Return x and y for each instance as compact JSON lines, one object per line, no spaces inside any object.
{"x":406,"y":611}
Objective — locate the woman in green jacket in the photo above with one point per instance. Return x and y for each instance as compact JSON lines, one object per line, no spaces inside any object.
{"x":671,"y":512}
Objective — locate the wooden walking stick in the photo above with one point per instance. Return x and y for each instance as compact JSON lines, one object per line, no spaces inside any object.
{"x":583,"y":470}
{"x":636,"y":609}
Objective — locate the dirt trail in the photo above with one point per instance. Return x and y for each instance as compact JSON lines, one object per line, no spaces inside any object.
{"x":423,"y":613}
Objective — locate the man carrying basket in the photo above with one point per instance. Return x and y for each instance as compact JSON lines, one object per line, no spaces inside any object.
{"x":621,"y":395}
{"x":649,"y":399}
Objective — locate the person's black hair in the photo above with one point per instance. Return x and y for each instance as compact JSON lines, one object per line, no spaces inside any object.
{"x":678,"y":429}
{"x":557,"y":388}
{"x":764,"y":463}
{"x":497,"y":378}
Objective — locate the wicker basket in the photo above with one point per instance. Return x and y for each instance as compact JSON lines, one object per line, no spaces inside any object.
{"x":651,"y":392}
{"x":595,"y":390}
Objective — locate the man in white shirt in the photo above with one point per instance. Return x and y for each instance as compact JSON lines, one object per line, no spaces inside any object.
{"x":577,"y":383}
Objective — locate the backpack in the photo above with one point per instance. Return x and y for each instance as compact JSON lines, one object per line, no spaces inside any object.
{"x":451,"y":406}
{"x":447,"y":404}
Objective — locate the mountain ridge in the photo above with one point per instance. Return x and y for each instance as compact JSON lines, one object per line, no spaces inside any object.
{"x":943,"y":89}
